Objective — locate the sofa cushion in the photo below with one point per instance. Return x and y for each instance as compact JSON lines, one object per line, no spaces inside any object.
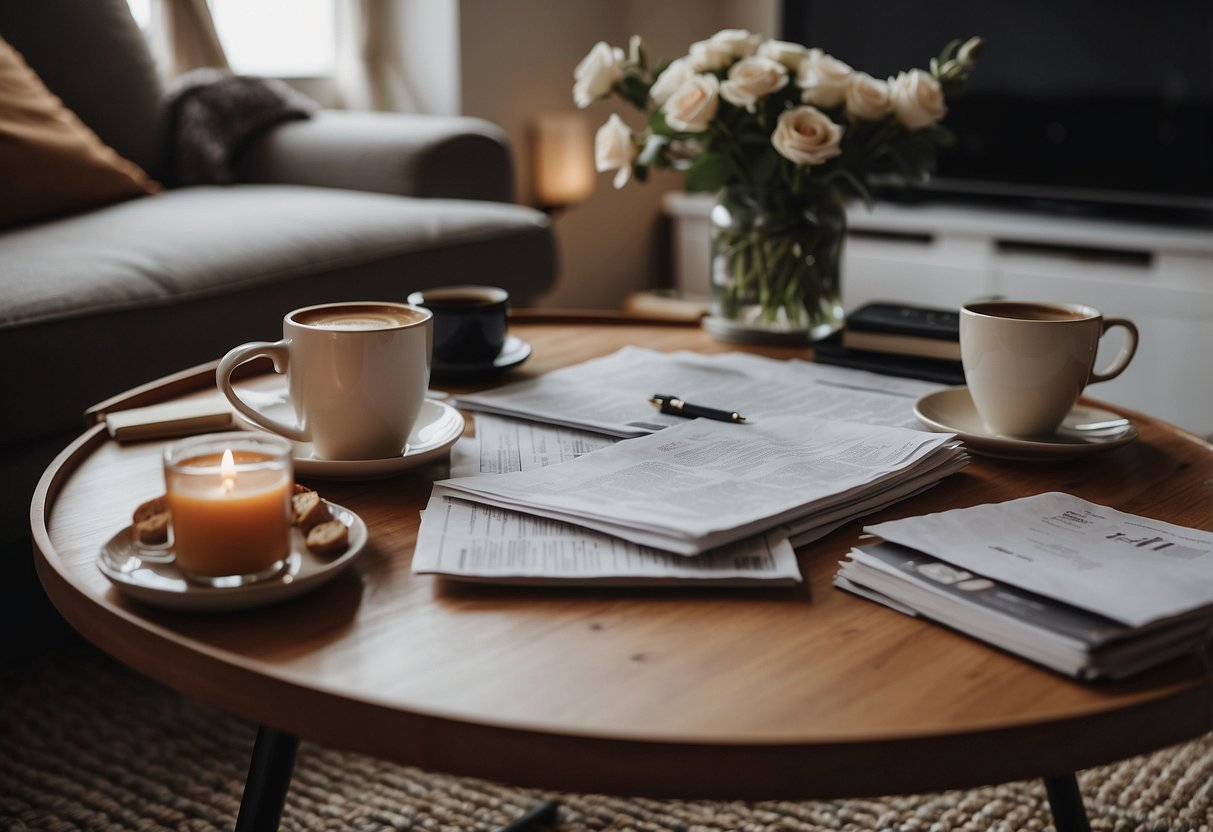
{"x":50,"y":162}
{"x":93,"y":56}
{"x":213,"y":240}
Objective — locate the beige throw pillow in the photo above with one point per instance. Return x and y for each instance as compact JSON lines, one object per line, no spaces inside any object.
{"x":50,"y":162}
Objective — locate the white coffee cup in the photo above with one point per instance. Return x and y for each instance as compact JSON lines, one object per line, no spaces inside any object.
{"x":1026,"y":364}
{"x":357,"y":373}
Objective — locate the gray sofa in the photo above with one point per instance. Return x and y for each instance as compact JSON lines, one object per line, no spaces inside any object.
{"x":340,"y":206}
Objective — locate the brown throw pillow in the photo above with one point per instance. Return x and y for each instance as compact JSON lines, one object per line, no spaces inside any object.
{"x":50,"y":162}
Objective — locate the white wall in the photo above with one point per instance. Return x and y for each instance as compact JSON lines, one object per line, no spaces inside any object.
{"x":516,"y":61}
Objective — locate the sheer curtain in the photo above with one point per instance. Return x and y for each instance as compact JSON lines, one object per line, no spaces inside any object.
{"x":370,"y":75}
{"x":184,"y":37}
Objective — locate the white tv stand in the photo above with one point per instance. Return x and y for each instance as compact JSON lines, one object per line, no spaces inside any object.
{"x":1161,"y":277}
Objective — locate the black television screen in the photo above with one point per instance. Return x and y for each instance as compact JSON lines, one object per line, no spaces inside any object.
{"x":1079,"y":105}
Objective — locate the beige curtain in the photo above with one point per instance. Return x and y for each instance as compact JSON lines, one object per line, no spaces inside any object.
{"x":184,"y":36}
{"x":370,"y":74}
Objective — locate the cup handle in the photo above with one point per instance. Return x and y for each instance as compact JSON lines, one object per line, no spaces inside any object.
{"x":1126,"y":352}
{"x":276,"y":352}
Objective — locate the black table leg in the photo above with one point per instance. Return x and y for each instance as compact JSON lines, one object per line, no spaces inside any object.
{"x":543,"y":813}
{"x":269,"y":776}
{"x":1065,"y":800}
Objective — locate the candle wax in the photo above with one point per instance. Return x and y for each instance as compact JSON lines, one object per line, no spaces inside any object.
{"x":238,"y":529}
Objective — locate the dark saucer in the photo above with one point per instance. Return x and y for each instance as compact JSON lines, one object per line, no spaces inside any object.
{"x":513,"y":352}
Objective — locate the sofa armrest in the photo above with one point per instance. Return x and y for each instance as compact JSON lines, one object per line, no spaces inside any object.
{"x":452,"y":157}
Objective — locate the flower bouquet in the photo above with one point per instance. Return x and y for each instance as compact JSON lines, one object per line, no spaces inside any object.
{"x":785,"y":136}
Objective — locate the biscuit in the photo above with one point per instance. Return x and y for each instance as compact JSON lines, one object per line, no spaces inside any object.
{"x":309,"y":510}
{"x":151,"y":520}
{"x":159,"y":505}
{"x":153,"y":530}
{"x":329,"y":538}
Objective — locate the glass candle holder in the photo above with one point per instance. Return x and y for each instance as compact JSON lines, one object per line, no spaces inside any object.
{"x":230,"y":499}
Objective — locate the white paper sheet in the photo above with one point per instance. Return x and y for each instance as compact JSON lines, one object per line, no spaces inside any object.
{"x":470,"y":541}
{"x":701,"y":484}
{"x":611,"y":394}
{"x":1131,"y":569}
{"x":503,"y":445}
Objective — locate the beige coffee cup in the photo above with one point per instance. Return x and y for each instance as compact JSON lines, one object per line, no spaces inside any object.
{"x":357,"y":374}
{"x":1026,"y":364}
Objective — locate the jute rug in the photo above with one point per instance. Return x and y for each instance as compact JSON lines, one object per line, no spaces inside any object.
{"x":87,"y":745}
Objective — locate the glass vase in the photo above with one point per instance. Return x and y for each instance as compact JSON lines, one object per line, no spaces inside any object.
{"x":775,"y":265}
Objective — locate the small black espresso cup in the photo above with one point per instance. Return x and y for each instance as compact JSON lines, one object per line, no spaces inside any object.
{"x":469,"y":323}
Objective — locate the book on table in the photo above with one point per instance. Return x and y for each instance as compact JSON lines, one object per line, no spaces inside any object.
{"x":897,"y":339}
{"x":1081,"y":588}
{"x":904,"y":329}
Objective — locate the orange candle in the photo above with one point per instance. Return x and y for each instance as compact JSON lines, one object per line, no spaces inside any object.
{"x":230,"y":508}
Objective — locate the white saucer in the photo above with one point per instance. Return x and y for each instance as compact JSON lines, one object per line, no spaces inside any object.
{"x":952,"y":411}
{"x":513,"y":352}
{"x":438,"y":427}
{"x":161,"y":584}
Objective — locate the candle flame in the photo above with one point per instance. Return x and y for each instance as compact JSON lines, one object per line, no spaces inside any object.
{"x":227,"y":470}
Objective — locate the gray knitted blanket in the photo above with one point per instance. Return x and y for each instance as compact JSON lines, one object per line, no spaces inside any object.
{"x":214,"y":114}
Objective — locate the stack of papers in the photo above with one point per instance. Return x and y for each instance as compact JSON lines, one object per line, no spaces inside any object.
{"x":463,"y":540}
{"x":544,"y":492}
{"x":703,"y":484}
{"x":1083,"y":589}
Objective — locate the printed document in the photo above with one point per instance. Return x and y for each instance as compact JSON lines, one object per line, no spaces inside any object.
{"x":701,"y":484}
{"x":611,"y":394}
{"x":464,"y":540}
{"x":470,"y":541}
{"x":1131,"y":569}
{"x":503,"y":445}
{"x":1058,"y":635}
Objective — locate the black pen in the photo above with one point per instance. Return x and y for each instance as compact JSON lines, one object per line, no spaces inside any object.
{"x":677,"y":407}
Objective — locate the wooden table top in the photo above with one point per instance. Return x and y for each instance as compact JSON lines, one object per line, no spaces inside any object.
{"x":806,"y":692}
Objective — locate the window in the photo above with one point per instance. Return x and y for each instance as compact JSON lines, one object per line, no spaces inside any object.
{"x":281,"y":38}
{"x":278,"y":38}
{"x":141,"y":10}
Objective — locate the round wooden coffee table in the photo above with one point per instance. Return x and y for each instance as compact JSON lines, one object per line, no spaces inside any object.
{"x":683,"y":693}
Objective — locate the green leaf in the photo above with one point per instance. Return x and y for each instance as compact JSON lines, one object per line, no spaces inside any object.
{"x":633,"y":90}
{"x":657,"y":124}
{"x":708,"y":172}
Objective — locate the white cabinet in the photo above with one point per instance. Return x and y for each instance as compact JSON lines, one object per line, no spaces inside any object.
{"x":1161,"y":277}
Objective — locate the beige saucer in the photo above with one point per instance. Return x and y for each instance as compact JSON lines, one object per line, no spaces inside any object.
{"x":952,"y":411}
{"x":161,"y":584}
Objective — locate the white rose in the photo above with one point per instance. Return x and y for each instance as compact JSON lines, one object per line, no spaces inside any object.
{"x":868,"y":97}
{"x":917,"y":99}
{"x":791,"y":55}
{"x":750,"y":79}
{"x":807,"y":136}
{"x":614,"y":149}
{"x":722,"y":48}
{"x":824,"y":79}
{"x":675,"y":75}
{"x":693,"y":105}
{"x":597,"y":73}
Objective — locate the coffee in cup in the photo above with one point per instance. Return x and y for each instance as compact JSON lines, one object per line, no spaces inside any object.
{"x":469,"y":323}
{"x":1026,"y":364}
{"x":357,"y":374}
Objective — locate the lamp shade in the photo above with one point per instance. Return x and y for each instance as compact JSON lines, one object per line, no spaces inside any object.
{"x":563,"y":170}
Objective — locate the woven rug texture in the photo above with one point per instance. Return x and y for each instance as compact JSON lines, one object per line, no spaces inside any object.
{"x":89,"y":745}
